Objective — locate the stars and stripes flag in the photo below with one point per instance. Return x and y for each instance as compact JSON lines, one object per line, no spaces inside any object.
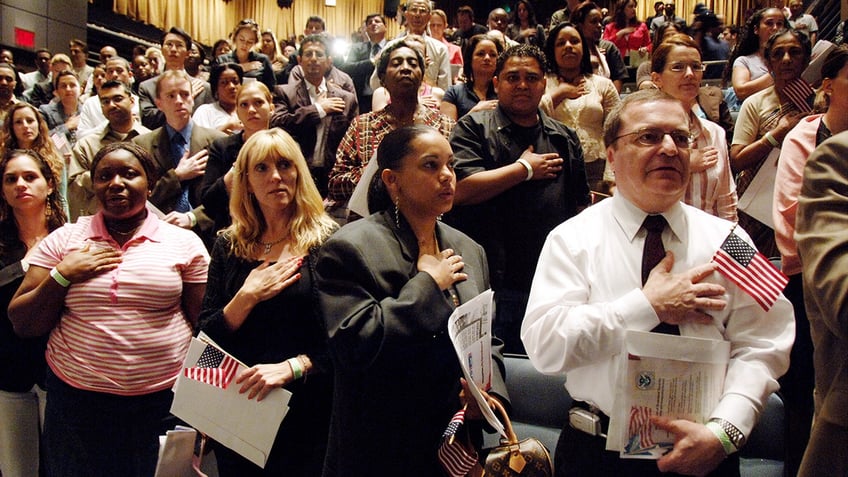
{"x":453,"y":454}
{"x":798,"y":90}
{"x":750,"y":270}
{"x":214,"y":367}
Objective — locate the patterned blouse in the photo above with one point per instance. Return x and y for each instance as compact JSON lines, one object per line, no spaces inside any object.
{"x":360,"y":143}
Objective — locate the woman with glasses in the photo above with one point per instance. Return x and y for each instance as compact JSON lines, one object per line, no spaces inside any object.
{"x":765,"y":119}
{"x":677,"y":70}
{"x":579,"y":99}
{"x":255,"y":65}
{"x":30,"y":208}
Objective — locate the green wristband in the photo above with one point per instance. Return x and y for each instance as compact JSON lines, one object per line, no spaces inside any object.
{"x":296,"y":366}
{"x":716,"y":429}
{"x":61,"y":280}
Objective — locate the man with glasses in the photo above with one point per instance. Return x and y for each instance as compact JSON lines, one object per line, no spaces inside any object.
{"x":519,"y":174}
{"x":316,"y":112}
{"x":176,"y":44}
{"x":92,"y":115}
{"x":641,"y":260}
{"x":120,"y":108}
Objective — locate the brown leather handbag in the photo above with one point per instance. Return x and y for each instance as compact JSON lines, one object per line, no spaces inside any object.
{"x":512,"y":458}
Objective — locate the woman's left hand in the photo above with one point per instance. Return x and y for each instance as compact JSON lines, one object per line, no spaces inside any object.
{"x":702,"y":159}
{"x":472,"y":408}
{"x":263,"y":378}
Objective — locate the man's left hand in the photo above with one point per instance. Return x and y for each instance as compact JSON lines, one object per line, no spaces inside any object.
{"x":697,"y":451}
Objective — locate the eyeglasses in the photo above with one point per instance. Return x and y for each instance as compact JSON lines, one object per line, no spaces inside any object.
{"x":681,"y":67}
{"x":418,"y":10}
{"x":655,"y":137}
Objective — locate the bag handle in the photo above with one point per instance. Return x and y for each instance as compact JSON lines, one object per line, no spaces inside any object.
{"x":510,"y":433}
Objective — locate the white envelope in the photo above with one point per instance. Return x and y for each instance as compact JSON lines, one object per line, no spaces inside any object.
{"x":759,"y":196}
{"x":248,"y":427}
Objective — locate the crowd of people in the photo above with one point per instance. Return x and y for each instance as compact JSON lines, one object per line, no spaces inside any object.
{"x":321,"y":216}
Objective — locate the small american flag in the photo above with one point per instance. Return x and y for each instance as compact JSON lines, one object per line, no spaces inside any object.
{"x":640,"y":423}
{"x":214,"y":368}
{"x":798,"y":90}
{"x":453,"y":454}
{"x":750,"y":270}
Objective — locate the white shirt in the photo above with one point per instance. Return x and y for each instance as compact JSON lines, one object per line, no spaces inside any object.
{"x":587,"y":291}
{"x":92,"y":119}
{"x":212,"y":116}
{"x":314,"y":96}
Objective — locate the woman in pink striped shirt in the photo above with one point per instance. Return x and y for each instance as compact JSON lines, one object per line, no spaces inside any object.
{"x":119,"y":292}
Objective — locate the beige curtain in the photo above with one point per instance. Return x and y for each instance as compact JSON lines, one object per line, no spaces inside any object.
{"x":731,"y":10}
{"x":210,"y":20}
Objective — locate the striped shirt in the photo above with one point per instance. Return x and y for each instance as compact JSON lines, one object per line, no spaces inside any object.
{"x":124,"y":332}
{"x":713,"y":190}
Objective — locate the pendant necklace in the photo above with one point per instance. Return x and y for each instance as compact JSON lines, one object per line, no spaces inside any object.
{"x":269,"y":245}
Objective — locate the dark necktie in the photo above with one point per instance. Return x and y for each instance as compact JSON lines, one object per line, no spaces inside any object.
{"x":652,"y":254}
{"x":178,"y":148}
{"x":375,"y":49}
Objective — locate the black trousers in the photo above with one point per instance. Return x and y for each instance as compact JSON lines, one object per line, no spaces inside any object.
{"x":580,"y":455}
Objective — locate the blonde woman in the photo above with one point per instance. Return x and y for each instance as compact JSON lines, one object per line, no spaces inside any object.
{"x":260,"y":301}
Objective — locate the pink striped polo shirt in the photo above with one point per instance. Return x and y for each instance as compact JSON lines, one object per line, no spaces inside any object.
{"x":124,"y":332}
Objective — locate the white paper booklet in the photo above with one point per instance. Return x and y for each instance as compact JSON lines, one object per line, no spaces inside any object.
{"x":470,"y":330}
{"x":210,"y":402}
{"x":664,"y":375}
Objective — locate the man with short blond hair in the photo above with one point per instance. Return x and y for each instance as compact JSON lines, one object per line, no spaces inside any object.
{"x":180,"y":150}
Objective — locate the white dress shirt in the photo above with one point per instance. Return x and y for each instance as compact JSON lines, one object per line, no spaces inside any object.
{"x":587,"y":291}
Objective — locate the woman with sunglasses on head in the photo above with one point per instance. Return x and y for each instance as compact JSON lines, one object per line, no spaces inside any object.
{"x":676,"y":69}
{"x":255,"y":65}
{"x":765,"y":119}
{"x":30,"y":208}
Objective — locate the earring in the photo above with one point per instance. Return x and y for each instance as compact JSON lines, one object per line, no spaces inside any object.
{"x":48,"y":209}
{"x":397,"y":212}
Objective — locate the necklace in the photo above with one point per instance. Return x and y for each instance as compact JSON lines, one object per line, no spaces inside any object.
{"x":115,"y":231}
{"x":269,"y":245}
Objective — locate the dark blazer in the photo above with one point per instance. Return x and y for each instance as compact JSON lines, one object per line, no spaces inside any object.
{"x":168,"y":188}
{"x":295,"y":113}
{"x":213,"y":193}
{"x":397,"y":375}
{"x":359,"y":67}
{"x":151,"y":117}
{"x":820,"y":232}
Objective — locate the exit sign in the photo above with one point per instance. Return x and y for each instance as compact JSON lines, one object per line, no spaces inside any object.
{"x":24,"y":38}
